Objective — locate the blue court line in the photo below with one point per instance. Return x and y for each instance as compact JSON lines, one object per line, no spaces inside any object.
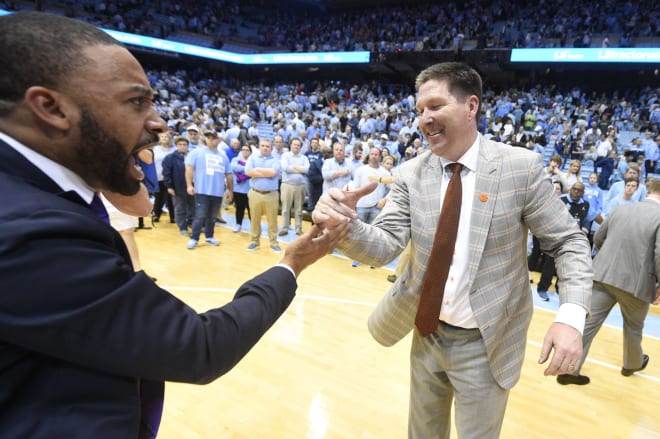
{"x":651,"y":325}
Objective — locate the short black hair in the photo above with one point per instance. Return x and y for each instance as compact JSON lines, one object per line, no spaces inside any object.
{"x":43,"y":49}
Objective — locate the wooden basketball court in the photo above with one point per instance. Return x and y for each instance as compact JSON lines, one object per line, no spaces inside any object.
{"x":318,"y":374}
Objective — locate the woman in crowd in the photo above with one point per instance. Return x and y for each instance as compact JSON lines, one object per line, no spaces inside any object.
{"x":241,"y":185}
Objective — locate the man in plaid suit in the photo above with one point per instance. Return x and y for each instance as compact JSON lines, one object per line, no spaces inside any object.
{"x":475,"y":355}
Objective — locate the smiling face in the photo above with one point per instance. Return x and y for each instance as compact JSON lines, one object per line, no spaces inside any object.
{"x":116,"y":119}
{"x":447,"y":123}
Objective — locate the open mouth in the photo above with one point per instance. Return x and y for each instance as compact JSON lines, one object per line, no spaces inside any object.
{"x":134,"y":169}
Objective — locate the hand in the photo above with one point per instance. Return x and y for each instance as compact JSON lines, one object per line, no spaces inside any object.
{"x":171,"y":191}
{"x":567,"y":343}
{"x":312,"y":246}
{"x":336,"y":206}
{"x":373,"y":178}
{"x":657,"y":297}
{"x":191,"y":190}
{"x":229,"y":196}
{"x":381,"y":203}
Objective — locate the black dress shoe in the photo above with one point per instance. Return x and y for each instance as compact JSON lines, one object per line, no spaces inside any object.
{"x":627,"y":372}
{"x":567,"y":378}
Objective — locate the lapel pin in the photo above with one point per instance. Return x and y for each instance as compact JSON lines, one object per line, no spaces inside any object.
{"x":483,"y":198}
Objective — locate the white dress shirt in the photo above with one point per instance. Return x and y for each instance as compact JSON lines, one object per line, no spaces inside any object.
{"x":456,"y":309}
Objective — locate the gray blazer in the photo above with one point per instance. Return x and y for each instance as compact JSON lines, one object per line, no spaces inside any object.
{"x":629,"y":249}
{"x":512,"y":194}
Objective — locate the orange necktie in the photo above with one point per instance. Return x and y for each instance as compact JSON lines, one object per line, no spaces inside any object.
{"x":442,"y":252}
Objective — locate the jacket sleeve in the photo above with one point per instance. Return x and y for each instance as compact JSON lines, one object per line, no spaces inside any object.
{"x":167,"y":173}
{"x":69,"y":292}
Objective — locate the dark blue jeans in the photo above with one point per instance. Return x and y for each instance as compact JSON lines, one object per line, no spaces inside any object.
{"x":184,"y":209}
{"x":206,"y":211}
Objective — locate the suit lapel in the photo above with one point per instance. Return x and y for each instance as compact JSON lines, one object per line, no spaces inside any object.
{"x":14,"y":164}
{"x":17,"y":166}
{"x":485,"y":193}
{"x":431,"y":181}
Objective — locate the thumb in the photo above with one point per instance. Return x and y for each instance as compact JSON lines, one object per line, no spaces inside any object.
{"x":351,"y":197}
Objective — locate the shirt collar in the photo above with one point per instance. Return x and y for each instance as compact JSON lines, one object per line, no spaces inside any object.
{"x":469,"y":160}
{"x":63,"y":177}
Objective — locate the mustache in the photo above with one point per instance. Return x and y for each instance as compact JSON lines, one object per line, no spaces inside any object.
{"x":152,"y":140}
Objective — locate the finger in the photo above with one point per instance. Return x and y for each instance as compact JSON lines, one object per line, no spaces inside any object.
{"x":351,"y":197}
{"x":314,"y":232}
{"x":339,"y":203}
{"x":554,"y":366}
{"x":545,"y":351}
{"x":334,"y":235}
{"x":326,"y":242}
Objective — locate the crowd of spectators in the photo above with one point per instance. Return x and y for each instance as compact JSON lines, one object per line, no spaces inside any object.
{"x":415,"y":26}
{"x":574,"y":123}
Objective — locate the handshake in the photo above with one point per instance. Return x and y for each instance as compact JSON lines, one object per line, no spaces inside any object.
{"x":332,"y":222}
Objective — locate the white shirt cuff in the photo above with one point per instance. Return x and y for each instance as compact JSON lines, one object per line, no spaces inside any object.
{"x":573,"y":315}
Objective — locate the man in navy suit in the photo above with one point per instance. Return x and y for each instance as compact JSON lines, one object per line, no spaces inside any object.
{"x":80,"y":330}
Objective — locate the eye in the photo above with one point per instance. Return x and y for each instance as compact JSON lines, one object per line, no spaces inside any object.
{"x":141,"y":101}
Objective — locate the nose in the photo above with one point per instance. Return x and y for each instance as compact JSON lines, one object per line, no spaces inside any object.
{"x":425,"y":115}
{"x":156,"y":124}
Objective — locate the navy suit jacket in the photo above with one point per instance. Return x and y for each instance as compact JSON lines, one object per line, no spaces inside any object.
{"x":79,"y":328}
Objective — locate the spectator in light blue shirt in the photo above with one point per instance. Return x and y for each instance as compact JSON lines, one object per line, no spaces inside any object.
{"x":208,"y":173}
{"x":337,"y":170}
{"x":264,"y":170}
{"x":294,"y":185}
{"x":618,"y":188}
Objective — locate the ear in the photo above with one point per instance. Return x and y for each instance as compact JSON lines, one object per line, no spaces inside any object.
{"x":473,"y":106}
{"x":51,"y":108}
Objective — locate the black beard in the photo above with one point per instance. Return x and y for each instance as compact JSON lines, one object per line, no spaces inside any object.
{"x":104,"y":157}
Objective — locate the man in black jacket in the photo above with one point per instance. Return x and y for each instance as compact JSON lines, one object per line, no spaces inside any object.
{"x":80,"y":330}
{"x":174,"y":177}
{"x":314,"y":174}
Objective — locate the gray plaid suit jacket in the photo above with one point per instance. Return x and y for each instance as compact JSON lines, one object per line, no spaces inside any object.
{"x":628,"y":245}
{"x":512,"y":195}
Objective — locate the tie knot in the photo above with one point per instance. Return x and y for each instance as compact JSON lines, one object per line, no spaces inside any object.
{"x":455,"y":167}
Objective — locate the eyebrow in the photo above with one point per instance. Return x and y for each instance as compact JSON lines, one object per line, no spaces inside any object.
{"x":146,"y":91}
